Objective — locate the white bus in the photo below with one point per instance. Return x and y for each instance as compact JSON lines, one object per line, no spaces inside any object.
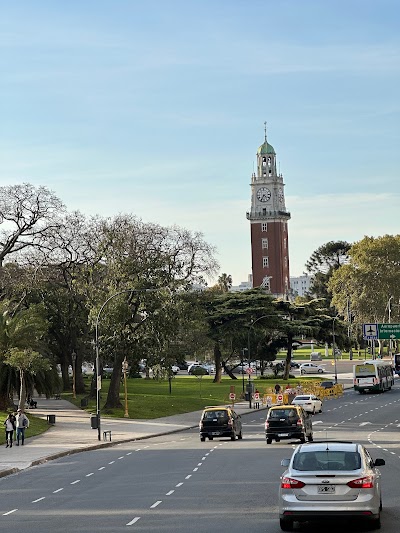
{"x":374,"y":375}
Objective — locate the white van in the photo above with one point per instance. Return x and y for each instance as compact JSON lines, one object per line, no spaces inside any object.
{"x":315,"y":356}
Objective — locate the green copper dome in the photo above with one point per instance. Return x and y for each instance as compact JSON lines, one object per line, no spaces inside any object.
{"x":266,"y":148}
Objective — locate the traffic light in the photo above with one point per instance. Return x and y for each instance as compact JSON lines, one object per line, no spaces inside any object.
{"x":369,"y":349}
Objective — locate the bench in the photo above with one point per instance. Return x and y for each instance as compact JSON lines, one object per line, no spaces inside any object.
{"x":107,"y":435}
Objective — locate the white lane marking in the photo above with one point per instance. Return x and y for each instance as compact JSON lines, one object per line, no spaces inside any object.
{"x":58,"y":490}
{"x":365,"y":423}
{"x":392,"y":453}
{"x":91,"y":474}
{"x":195,"y":469}
{"x":138,"y":450}
{"x":203,"y":458}
{"x":76,"y":481}
{"x":317,"y":422}
{"x":129,"y":453}
{"x":170,"y":492}
{"x":199,"y":464}
{"x":179,"y":484}
{"x":155,"y":504}
{"x":39,"y":499}
{"x":133,"y":521}
{"x":101,"y":468}
{"x":209,"y":453}
{"x":189,"y":476}
{"x":9,"y":512}
{"x":111,"y":462}
{"x":121,"y":457}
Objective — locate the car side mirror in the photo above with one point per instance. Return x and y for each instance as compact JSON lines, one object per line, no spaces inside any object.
{"x":285,"y":462}
{"x":379,"y":462}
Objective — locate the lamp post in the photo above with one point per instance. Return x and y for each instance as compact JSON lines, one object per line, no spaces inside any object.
{"x":125,"y":371}
{"x":73,"y":357}
{"x":248,"y":350}
{"x":333,"y":346}
{"x":390,"y":317}
{"x":98,"y":375}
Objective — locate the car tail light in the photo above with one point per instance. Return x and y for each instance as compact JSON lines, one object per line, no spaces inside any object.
{"x":266,"y":424}
{"x":290,"y":483}
{"x":362,"y":483}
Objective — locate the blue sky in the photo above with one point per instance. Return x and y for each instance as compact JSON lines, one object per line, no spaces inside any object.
{"x":157,"y":108}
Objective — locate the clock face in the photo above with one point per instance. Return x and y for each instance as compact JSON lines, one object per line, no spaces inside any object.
{"x":280,"y":195}
{"x":263,"y":194}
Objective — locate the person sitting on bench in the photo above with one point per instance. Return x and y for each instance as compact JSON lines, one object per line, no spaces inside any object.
{"x":32,"y":403}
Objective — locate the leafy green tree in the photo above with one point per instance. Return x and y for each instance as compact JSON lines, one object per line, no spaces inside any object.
{"x":323,"y":262}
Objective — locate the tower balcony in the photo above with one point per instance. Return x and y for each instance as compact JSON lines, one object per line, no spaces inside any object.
{"x":264,"y":214}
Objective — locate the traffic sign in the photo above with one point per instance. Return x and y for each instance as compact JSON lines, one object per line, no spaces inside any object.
{"x":256,"y":396}
{"x":381,"y":331}
{"x":370,"y":331}
{"x":279,"y":398}
{"x":249,"y":370}
{"x":388,"y":331}
{"x":232,"y":396}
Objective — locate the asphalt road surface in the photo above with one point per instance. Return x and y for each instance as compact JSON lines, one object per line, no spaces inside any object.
{"x":177,"y":484}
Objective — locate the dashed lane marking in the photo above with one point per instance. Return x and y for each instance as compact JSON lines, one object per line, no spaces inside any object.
{"x":133,"y":521}
{"x":156,"y":504}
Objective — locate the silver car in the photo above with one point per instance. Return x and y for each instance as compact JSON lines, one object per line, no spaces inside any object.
{"x":329,"y":479}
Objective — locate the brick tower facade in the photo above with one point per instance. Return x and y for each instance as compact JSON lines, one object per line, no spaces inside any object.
{"x":268,"y":224}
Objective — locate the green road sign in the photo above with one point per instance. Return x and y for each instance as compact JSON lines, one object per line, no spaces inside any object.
{"x":388,"y":331}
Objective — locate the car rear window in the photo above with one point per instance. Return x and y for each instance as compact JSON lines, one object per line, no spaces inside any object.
{"x":211,"y":415}
{"x":302,"y":397}
{"x":282,"y":413}
{"x":327,"y":460}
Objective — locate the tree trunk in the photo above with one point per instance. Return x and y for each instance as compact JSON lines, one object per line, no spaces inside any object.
{"x":228,"y":371}
{"x":22,"y":390}
{"x":113,"y":400}
{"x":288,"y":358}
{"x":218,"y":368}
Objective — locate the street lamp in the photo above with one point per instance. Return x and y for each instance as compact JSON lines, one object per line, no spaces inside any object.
{"x":125,"y":371}
{"x":248,"y":351}
{"x":333,"y":345}
{"x":98,"y":375}
{"x":390,"y":317}
{"x":73,"y":357}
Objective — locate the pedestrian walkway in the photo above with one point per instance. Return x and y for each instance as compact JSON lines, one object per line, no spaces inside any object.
{"x":72,"y":433}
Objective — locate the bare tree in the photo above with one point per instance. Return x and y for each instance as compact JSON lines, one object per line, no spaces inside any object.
{"x":28,"y":216}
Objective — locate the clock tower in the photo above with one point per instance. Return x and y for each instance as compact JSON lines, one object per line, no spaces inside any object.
{"x":268,"y":225}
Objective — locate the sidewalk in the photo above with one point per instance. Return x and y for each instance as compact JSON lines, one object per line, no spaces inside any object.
{"x":72,"y":433}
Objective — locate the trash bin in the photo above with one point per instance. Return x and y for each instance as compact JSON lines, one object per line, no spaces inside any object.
{"x":250,"y":388}
{"x":84,"y":402}
{"x":247,"y":396}
{"x":51,"y":419}
{"x":93,"y":422}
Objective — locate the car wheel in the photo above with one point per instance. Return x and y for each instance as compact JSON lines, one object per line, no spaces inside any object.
{"x":202,"y":439}
{"x":310,"y":438}
{"x":302,"y":372}
{"x":269,"y":441}
{"x":210,"y":438}
{"x":320,"y":370}
{"x":286,"y":524}
{"x":320,"y":410}
{"x":240,"y":436}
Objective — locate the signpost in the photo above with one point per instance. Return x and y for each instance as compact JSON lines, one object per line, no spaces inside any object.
{"x":232,"y":396}
{"x":381,"y":331}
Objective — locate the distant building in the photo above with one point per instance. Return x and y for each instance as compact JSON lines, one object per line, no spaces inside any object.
{"x":244,"y":285}
{"x":300,"y":285}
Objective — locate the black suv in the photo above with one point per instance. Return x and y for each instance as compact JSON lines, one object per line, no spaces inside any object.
{"x":288,"y":422}
{"x":220,"y":422}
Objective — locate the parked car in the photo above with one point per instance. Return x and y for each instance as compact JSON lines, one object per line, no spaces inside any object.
{"x":309,"y":402}
{"x":288,"y":422}
{"x":311,"y":368}
{"x":330,"y":479}
{"x":182,"y":365}
{"x":220,"y":422}
{"x":327,"y":384}
{"x":197,"y":365}
{"x":294,"y":364}
{"x":175,"y":369}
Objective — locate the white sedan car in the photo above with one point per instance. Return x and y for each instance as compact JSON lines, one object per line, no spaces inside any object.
{"x":309,"y":403}
{"x":311,"y":368}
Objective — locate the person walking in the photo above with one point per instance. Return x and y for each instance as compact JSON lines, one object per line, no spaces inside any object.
{"x":22,"y":423}
{"x":9,"y":424}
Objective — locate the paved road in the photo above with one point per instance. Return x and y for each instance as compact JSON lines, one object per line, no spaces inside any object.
{"x":175,"y":483}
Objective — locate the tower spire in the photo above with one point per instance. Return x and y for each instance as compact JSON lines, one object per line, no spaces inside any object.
{"x":265,"y":131}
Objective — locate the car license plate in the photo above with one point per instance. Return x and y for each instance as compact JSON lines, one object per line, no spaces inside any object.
{"x":326,"y":489}
{"x":216,"y":433}
{"x":283,"y":434}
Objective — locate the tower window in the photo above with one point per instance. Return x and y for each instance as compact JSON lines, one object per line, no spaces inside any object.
{"x":264,"y":174}
{"x":264,"y":162}
{"x":264,"y":211}
{"x":265,"y":262}
{"x":264,"y":226}
{"x":285,"y":261}
{"x":269,"y":161}
{"x":284,"y":243}
{"x":264,"y":244}
{"x":270,"y":172}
